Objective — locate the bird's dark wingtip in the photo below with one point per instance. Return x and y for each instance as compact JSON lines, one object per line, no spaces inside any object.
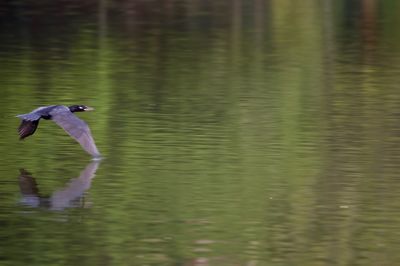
{"x":24,"y":172}
{"x":21,"y":135}
{"x":27,"y":128}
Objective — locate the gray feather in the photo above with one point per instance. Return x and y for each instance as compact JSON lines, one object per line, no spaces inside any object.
{"x":76,"y":128}
{"x":36,"y":114}
{"x":29,"y":117}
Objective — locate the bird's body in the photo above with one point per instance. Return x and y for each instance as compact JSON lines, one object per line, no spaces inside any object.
{"x":64,"y":117}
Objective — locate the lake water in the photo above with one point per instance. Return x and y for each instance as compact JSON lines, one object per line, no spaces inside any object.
{"x":234,"y":133}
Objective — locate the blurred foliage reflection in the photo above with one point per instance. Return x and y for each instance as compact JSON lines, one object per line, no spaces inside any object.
{"x":235,"y":132}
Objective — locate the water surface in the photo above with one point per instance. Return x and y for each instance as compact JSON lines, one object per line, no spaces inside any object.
{"x":234,"y":133}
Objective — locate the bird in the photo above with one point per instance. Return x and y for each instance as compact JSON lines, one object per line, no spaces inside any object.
{"x":60,"y":199}
{"x":63,"y":116}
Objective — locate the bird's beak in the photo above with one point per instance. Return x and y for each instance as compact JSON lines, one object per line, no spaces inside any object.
{"x":89,"y":108}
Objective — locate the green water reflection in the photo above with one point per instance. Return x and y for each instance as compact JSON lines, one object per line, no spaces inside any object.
{"x":241,"y":133}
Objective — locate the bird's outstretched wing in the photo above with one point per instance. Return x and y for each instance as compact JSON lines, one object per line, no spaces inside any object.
{"x":27,"y":183}
{"x":77,"y":129}
{"x":29,"y":190}
{"x":30,"y":121}
{"x":75,"y":189}
{"x":27,"y":128}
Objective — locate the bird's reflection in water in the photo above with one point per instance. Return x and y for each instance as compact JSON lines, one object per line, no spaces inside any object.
{"x":60,"y":199}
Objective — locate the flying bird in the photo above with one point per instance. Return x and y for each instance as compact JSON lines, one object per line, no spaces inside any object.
{"x":64,"y":117}
{"x":60,"y":199}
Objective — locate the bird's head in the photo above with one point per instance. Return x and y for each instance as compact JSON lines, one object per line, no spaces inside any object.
{"x":80,"y":108}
